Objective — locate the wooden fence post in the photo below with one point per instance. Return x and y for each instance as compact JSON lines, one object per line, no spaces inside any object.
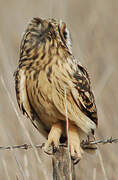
{"x":63,"y":167}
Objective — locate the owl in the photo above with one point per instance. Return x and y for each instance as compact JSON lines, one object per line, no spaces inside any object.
{"x":52,"y":87}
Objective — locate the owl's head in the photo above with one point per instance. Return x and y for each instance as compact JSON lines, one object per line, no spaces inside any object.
{"x":39,"y":31}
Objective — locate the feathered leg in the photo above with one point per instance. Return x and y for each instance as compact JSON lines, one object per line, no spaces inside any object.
{"x":54,"y":136}
{"x":74,"y":142}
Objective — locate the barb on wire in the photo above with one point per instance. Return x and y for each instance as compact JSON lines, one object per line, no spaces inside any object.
{"x":23,"y":146}
{"x":110,"y":140}
{"x":84,"y":144}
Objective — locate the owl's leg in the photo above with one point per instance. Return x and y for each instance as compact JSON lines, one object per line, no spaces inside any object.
{"x":54,"y":136}
{"x":74,"y":142}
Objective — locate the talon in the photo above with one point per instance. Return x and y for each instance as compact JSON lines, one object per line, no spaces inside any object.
{"x":53,"y":138}
{"x":55,"y":149}
{"x":75,"y":161}
{"x":48,"y":150}
{"x":42,"y":145}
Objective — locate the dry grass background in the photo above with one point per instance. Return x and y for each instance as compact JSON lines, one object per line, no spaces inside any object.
{"x":94,"y":29}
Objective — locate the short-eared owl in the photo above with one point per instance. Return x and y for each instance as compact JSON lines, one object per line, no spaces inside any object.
{"x":53,"y":87}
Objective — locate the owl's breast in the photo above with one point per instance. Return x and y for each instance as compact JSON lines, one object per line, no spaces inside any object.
{"x":40,"y":92}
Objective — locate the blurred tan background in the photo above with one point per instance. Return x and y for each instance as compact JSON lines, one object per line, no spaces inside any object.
{"x":94,"y":29}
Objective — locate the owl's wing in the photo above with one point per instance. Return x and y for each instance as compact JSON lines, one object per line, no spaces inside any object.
{"x":21,"y":93}
{"x":85,"y":98}
{"x":24,"y":102}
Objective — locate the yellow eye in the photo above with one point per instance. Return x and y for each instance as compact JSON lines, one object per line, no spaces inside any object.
{"x":63,"y":31}
{"x":65,"y":36}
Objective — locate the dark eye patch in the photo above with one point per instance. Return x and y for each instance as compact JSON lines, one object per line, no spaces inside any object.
{"x":61,"y":35}
{"x":65,"y":34}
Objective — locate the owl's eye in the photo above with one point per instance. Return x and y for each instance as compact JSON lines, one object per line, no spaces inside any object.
{"x":65,"y":35}
{"x":63,"y":32}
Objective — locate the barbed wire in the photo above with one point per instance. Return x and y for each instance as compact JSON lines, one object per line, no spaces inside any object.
{"x":84,"y":144}
{"x":87,"y":144}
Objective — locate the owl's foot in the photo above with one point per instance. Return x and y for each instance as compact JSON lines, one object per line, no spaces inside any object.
{"x":53,"y":138}
{"x":74,"y":143}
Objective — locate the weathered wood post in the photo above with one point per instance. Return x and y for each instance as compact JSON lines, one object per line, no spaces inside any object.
{"x":63,"y":167}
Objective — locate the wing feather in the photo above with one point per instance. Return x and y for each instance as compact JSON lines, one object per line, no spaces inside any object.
{"x":85,"y":99}
{"x":24,"y":101}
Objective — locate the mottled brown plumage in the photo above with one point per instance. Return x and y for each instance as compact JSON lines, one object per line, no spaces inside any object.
{"x":47,"y":71}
